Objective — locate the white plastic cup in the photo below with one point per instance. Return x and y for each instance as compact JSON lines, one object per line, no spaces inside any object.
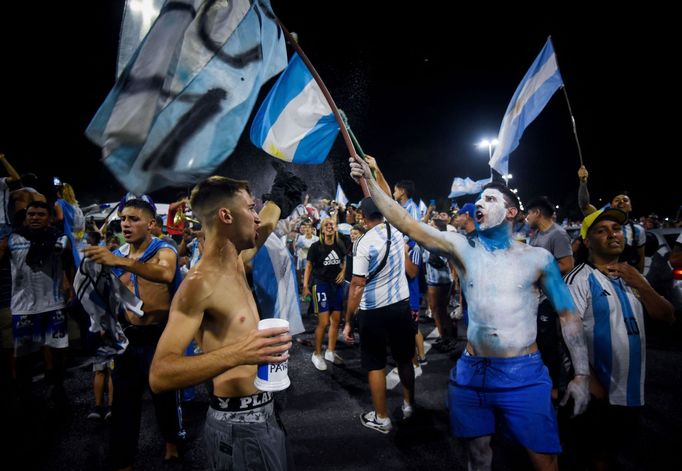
{"x":272,"y":376}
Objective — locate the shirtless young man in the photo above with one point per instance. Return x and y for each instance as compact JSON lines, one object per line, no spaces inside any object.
{"x":148,"y":267}
{"x":500,"y":376}
{"x":214,"y":305}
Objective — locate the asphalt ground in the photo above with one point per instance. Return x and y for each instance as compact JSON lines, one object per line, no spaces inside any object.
{"x":321,"y":412}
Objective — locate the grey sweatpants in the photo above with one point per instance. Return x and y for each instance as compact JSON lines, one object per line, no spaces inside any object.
{"x":236,"y":446}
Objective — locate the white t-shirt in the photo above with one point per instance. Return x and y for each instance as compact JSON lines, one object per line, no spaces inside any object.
{"x":303,"y":245}
{"x":37,"y":291}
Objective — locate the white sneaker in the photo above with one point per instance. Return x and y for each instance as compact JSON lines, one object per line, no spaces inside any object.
{"x":407,"y":409}
{"x":332,"y":356}
{"x":417,"y":371}
{"x":319,"y":362}
{"x":370,"y":420}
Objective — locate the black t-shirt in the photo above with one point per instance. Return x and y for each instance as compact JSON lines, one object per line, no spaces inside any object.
{"x":326,"y":260}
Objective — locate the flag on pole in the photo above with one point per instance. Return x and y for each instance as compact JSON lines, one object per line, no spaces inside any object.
{"x":179,"y":107}
{"x":467,"y":186}
{"x":422,"y":209}
{"x":275,"y":285}
{"x":295,"y":122}
{"x":531,"y":96}
{"x":340,"y":196}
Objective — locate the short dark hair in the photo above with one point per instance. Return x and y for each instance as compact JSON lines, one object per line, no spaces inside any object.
{"x":95,"y":236}
{"x":407,"y":186}
{"x":208,"y":194}
{"x":509,"y":196}
{"x":360,"y":228}
{"x":141,"y":204}
{"x":159,"y":221}
{"x":542,"y":204}
{"x":39,"y":204}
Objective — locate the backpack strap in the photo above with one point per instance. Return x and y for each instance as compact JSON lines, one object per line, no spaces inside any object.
{"x":382,"y":264}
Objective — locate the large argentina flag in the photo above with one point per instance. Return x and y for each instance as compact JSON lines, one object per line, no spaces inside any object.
{"x":178,"y":109}
{"x":531,"y":96}
{"x":295,"y":123}
{"x":275,"y":285}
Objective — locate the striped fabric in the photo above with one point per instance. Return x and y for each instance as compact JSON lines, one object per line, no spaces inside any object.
{"x":613,"y":319}
{"x":412,"y":209}
{"x":389,"y":286}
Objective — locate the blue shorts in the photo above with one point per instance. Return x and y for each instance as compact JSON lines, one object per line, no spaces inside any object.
{"x":327,"y":297}
{"x":516,"y":391}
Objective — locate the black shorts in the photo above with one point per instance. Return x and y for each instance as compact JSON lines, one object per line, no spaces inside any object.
{"x":389,"y":325}
{"x":602,"y":431}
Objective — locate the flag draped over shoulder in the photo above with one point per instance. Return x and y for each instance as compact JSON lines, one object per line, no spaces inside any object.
{"x":531,"y":96}
{"x":179,"y":107}
{"x":340,"y":196}
{"x":275,"y":285}
{"x":295,"y":123}
{"x":467,"y":186}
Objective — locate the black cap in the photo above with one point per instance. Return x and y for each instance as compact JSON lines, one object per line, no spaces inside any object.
{"x":369,"y":209}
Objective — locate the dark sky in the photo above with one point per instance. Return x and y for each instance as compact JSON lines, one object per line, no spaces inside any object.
{"x":421,"y":86}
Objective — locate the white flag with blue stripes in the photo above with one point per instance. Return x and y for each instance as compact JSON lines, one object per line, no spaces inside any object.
{"x":182,"y":102}
{"x":275,"y":285}
{"x":295,"y":123}
{"x":531,"y":96}
{"x":467,"y":186}
{"x":340,"y":196}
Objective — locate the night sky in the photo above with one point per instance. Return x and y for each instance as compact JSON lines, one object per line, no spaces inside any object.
{"x":421,"y":86}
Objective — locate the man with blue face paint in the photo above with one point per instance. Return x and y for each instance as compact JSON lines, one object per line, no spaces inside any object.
{"x":500,"y":376}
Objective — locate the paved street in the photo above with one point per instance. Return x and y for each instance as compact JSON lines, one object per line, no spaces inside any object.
{"x":321,"y":412}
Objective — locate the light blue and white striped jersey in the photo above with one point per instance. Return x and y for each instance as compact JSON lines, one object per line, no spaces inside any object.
{"x":412,"y":209}
{"x":613,"y":319}
{"x":36,"y":291}
{"x":634,"y":234}
{"x":389,"y":286}
{"x":437,"y":269}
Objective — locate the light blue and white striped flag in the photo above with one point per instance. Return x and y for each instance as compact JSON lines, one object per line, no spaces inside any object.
{"x":295,"y":123}
{"x":340,"y":196}
{"x":179,"y":107}
{"x":467,"y":186}
{"x":531,"y":96}
{"x":275,"y":286}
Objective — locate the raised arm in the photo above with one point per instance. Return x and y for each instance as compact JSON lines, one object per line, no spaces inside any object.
{"x":374,"y":167}
{"x":171,"y":369}
{"x":423,"y":234}
{"x":13,"y":174}
{"x":269,"y":215}
{"x":583,"y":194}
